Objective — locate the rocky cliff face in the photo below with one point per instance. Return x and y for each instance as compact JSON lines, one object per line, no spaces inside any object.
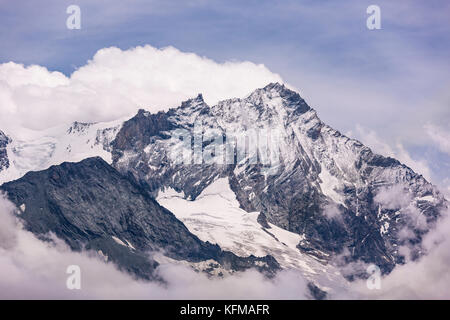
{"x":328,"y":188}
{"x":39,"y":150}
{"x":278,"y":157}
{"x":90,"y":205}
{"x":4,"y":161}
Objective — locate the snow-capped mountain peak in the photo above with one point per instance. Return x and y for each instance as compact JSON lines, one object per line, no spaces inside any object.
{"x":286,"y":169}
{"x":322,"y":185}
{"x":42,"y":149}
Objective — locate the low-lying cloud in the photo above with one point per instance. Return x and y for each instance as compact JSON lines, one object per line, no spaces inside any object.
{"x":426,"y":278}
{"x":34,"y":269}
{"x":439,"y":136}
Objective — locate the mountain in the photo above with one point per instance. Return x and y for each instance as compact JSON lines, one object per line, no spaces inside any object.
{"x":323,"y":185}
{"x":4,"y":161}
{"x":90,"y":205}
{"x":215,"y":216}
{"x":38,"y":150}
{"x":261,"y":175}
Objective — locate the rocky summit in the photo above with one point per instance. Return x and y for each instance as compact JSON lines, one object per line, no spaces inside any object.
{"x":257,"y":182}
{"x":324,"y":186}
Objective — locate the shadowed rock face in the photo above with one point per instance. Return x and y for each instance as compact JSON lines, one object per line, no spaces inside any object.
{"x":320,"y":169}
{"x":326,"y":188}
{"x":91,"y":205}
{"x":4,"y":162}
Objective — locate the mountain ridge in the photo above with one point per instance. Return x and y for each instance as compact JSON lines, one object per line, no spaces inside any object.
{"x":328,"y":188}
{"x":90,"y":205}
{"x":317,"y":159}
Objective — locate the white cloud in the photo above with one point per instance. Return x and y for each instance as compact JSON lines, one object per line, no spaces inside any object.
{"x":439,"y":136}
{"x":115,"y":83}
{"x":331,"y":211}
{"x":426,"y":278}
{"x":446,"y":187}
{"x":393,"y":198}
{"x":33,"y":269}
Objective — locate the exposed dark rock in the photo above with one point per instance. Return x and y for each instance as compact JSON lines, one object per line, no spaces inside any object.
{"x":88,"y":203}
{"x":316,"y":292}
{"x":262,"y":220}
{"x":4,"y":141}
{"x":296,"y":196}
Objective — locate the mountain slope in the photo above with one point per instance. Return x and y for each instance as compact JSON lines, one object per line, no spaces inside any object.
{"x":215,"y":216}
{"x":285,"y":164}
{"x":4,"y":161}
{"x":38,"y":150}
{"x":323,"y":186}
{"x":91,"y":205}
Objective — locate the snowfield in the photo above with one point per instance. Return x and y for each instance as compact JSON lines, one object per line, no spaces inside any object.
{"x":215,"y":216}
{"x":38,"y":150}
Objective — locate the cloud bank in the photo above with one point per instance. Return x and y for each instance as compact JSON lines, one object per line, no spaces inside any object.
{"x":33,"y":269}
{"x":426,"y":278}
{"x":37,"y":270}
{"x":115,"y":83}
{"x":439,"y":136}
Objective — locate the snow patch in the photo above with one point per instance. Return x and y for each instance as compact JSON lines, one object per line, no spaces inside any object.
{"x":117,"y":240}
{"x":215,"y":216}
{"x":38,"y":150}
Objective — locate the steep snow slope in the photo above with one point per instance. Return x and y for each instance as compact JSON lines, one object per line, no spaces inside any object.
{"x":90,"y":205}
{"x":327,"y":188}
{"x":4,"y":141}
{"x":38,"y":150}
{"x":332,"y":192}
{"x":215,"y":216}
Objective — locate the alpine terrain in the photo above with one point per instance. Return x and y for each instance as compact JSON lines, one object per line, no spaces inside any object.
{"x":256,"y":182}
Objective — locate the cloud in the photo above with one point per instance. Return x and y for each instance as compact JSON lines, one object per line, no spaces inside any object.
{"x":394,"y":198}
{"x":399,"y":198}
{"x":439,"y":136}
{"x":34,"y":269}
{"x":331,"y":211}
{"x":446,"y":187}
{"x":115,"y":83}
{"x":37,"y":270}
{"x":426,"y":278}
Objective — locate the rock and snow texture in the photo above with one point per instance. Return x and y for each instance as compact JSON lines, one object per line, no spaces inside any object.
{"x":324,"y":186}
{"x":38,"y":150}
{"x":215,"y":216}
{"x":4,"y":141}
{"x":322,"y":193}
{"x":91,"y":206}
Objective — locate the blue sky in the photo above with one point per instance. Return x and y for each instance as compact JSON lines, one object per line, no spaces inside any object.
{"x":391,"y":81}
{"x":281,"y":34}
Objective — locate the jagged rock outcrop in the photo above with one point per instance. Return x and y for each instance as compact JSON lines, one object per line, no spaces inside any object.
{"x":333,"y":191}
{"x":324,"y":186}
{"x":90,"y":205}
{"x":4,"y":161}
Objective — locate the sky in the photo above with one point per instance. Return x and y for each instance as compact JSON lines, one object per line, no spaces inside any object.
{"x":388,"y":88}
